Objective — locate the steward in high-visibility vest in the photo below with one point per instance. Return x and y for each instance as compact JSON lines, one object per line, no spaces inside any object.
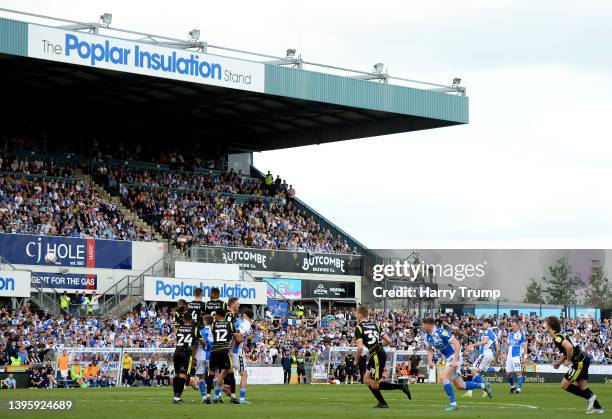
{"x":64,"y":302}
{"x":299,"y":310}
{"x":89,"y":301}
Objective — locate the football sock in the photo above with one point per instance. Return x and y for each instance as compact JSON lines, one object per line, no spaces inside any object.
{"x":179,"y":385}
{"x":448,"y":388}
{"x":210,"y":383}
{"x":471,"y":385}
{"x":585,"y":394}
{"x":202,"y":386}
{"x":378,"y":395}
{"x":231,"y":380}
{"x":574,"y":389}
{"x":520,"y":381}
{"x":511,"y":381}
{"x":242,"y":393}
{"x":389,"y":386}
{"x":217,"y":391}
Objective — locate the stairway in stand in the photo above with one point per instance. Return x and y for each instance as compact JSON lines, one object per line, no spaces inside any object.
{"x":127,"y":212}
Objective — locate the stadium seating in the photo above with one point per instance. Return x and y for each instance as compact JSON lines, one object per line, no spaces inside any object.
{"x":216,"y":208}
{"x":202,"y":203}
{"x":62,"y":206}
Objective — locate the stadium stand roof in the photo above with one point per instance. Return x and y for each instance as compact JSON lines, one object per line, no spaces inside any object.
{"x":264,"y":104}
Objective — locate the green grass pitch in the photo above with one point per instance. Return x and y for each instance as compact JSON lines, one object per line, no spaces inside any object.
{"x":309,"y":401}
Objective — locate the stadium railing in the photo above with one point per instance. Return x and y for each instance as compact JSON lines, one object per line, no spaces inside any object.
{"x":42,"y":299}
{"x":61,"y":159}
{"x":238,"y":198}
{"x":35,"y":176}
{"x":128,"y":292}
{"x":135,"y":164}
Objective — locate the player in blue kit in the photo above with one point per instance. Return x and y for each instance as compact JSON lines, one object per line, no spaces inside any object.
{"x":202,"y":355}
{"x":487,"y":346}
{"x":517,"y":345}
{"x":444,"y":342}
{"x":243,"y":328}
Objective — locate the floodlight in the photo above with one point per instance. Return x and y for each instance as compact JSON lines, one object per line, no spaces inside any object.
{"x":456,"y":81}
{"x":378,"y":68}
{"x":106,"y":19}
{"x":194,"y":34}
{"x":290,"y":54}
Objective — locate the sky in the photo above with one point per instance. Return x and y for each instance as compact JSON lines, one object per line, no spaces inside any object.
{"x":533,"y":167}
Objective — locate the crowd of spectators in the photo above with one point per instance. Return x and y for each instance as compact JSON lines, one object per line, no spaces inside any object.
{"x":184,"y":157}
{"x":188,"y":209}
{"x":40,"y":196}
{"x":29,"y":335}
{"x":119,"y":177}
{"x":61,"y":207}
{"x":35,"y":165}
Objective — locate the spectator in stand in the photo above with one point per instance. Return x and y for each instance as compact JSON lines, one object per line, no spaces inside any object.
{"x":269,"y":180}
{"x":68,"y":207}
{"x":290,"y":193}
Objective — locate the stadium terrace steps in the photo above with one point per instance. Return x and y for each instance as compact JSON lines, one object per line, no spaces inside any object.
{"x":127,"y":213}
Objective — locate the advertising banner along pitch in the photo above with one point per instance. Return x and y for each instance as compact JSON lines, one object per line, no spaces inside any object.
{"x":61,"y":281}
{"x":287,"y":261}
{"x":15,"y":283}
{"x":173,"y":289}
{"x":25,"y":249}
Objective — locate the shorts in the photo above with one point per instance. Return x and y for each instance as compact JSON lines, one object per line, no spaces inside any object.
{"x":483,"y":362}
{"x":201,"y":366}
{"x":220,"y":360}
{"x":238,"y":362}
{"x":514,"y":364}
{"x":376,"y":364}
{"x":182,"y":362}
{"x":578,"y":371}
{"x":201,"y":362}
{"x":64,"y":373}
{"x":449,"y":361}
